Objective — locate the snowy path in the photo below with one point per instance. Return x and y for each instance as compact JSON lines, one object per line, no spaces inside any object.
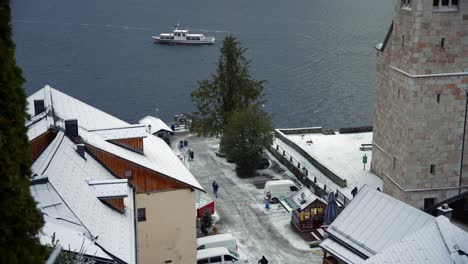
{"x":259,"y":232}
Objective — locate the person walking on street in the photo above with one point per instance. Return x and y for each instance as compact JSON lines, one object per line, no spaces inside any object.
{"x":215,"y":188}
{"x":263,"y":260}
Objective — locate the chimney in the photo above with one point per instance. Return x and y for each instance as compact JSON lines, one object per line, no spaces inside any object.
{"x":38,"y":107}
{"x":80,"y":148}
{"x":71,"y":128}
{"x":445,"y":210}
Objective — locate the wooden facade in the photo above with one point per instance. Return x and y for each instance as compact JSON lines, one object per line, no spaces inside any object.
{"x":39,"y":144}
{"x":143,"y":179}
{"x":309,"y":218}
{"x":115,"y":203}
{"x":134,"y":144}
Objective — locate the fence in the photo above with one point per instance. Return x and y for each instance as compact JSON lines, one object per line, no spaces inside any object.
{"x":302,"y":173}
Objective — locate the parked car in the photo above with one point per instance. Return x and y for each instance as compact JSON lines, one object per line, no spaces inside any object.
{"x":279,"y":189}
{"x":217,"y":255}
{"x":222,"y":240}
{"x":263,"y":163}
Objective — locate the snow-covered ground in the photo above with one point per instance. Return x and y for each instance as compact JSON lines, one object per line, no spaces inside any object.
{"x":240,"y":205}
{"x":340,"y":153}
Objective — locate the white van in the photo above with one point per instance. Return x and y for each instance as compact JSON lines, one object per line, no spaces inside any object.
{"x":217,"y":255}
{"x":279,"y":189}
{"x":222,"y":240}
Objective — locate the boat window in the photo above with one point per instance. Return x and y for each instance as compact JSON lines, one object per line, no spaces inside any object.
{"x":183,"y":34}
{"x":172,"y":37}
{"x":198,"y":38}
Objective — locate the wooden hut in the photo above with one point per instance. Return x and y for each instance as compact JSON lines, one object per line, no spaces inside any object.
{"x":307,"y":210}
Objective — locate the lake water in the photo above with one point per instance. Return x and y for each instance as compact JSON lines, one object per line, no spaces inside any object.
{"x":317,"y":56}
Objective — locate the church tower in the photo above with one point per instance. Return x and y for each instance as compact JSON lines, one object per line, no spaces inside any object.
{"x":420,"y":141}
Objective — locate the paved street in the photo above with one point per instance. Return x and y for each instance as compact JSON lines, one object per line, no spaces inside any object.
{"x":259,"y":231}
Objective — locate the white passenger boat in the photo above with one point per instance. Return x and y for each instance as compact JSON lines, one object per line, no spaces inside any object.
{"x":183,"y":36}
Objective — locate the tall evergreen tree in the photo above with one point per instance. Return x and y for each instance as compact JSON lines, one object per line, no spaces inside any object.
{"x":245,"y":137}
{"x":230,"y":89}
{"x":20,"y":220}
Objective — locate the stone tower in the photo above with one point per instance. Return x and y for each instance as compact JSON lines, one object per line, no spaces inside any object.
{"x":420,"y":146}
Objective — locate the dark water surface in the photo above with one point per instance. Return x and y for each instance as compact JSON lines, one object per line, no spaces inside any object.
{"x":317,"y":55}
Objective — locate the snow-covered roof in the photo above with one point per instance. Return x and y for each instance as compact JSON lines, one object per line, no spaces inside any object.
{"x":66,"y":107}
{"x":129,"y":131}
{"x":110,"y":188}
{"x":373,"y":221}
{"x":157,"y":157}
{"x":438,"y":242}
{"x":60,"y":220}
{"x":301,"y":199}
{"x":39,"y":126}
{"x":70,"y":174}
{"x":340,"y":251}
{"x":155,"y":123}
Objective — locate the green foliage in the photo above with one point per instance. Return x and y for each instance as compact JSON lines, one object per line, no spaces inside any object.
{"x":20,"y":219}
{"x":206,"y":220}
{"x":247,"y":134}
{"x":230,"y":90}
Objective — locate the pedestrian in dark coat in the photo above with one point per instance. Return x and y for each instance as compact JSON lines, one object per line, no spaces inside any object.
{"x":215,"y":188}
{"x":263,"y":260}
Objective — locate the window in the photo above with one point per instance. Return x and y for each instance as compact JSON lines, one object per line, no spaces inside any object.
{"x":202,"y":246}
{"x":229,"y":258}
{"x":445,"y":5}
{"x":433,"y":169}
{"x":398,"y":93}
{"x":438,"y":98}
{"x":215,"y":259}
{"x":202,"y":261}
{"x":406,"y":4}
{"x":141,"y":214}
{"x":442,"y":42}
{"x":394,"y":163}
{"x":293,"y":188}
{"x":402,"y":41}
{"x":429,"y":202}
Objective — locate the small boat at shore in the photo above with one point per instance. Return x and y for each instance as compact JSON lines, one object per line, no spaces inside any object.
{"x":183,"y":36}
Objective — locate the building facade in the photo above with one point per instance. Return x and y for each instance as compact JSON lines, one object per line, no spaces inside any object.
{"x":162,"y":188}
{"x":419,"y":141}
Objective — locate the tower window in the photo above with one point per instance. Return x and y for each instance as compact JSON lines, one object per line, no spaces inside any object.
{"x":442,"y":42}
{"x":445,"y":5}
{"x":402,"y":41}
{"x":394,"y":163}
{"x":406,"y":4}
{"x":398,"y":93}
{"x":438,"y":98}
{"x":433,"y":169}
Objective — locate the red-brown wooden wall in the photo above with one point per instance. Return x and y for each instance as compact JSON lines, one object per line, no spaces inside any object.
{"x":143,"y":179}
{"x":135,"y":144}
{"x":39,"y":144}
{"x":116,"y":203}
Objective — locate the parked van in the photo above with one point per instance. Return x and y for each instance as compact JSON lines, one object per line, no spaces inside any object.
{"x":222,"y":240}
{"x":279,"y":189}
{"x":217,"y":255}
